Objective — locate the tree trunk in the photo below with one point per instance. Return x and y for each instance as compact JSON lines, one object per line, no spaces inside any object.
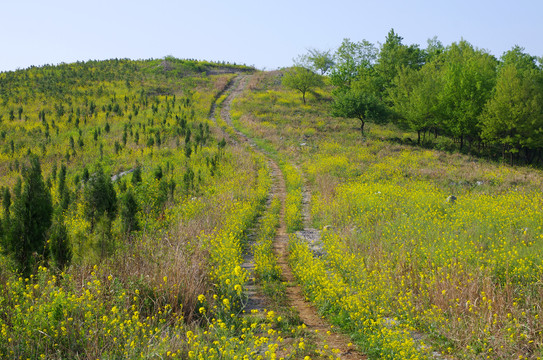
{"x":418,"y":137}
{"x":511,"y":157}
{"x":303,"y":96}
{"x":361,"y":125}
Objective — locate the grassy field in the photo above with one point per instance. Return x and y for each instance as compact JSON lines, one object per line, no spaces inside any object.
{"x":170,"y":287}
{"x":422,"y":252}
{"x":406,"y":270}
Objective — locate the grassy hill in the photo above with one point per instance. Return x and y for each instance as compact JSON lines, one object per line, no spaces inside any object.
{"x":416,"y":243}
{"x":157,"y":201}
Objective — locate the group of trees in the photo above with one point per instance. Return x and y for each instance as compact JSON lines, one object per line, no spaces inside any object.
{"x":94,"y":119}
{"x":458,"y":91}
{"x":32,"y":226}
{"x":25,"y":229}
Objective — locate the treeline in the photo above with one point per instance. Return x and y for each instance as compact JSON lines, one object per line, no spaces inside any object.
{"x":486,"y":105}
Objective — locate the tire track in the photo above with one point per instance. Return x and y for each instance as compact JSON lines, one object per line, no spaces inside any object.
{"x":315,"y":324}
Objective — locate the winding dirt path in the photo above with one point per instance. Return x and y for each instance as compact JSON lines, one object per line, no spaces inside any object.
{"x":296,"y":299}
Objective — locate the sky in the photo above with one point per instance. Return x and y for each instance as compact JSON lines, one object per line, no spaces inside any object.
{"x":265,"y":34}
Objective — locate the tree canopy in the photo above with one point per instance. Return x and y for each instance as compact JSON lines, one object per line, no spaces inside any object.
{"x":513,"y":117}
{"x":301,"y":79}
{"x":457,"y":90}
{"x":356,"y":103}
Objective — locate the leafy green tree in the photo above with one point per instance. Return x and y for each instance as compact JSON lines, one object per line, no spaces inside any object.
{"x":414,"y":96}
{"x":513,"y":117}
{"x":522,"y":61}
{"x":356,"y":103}
{"x":394,"y":55}
{"x":469,"y":76}
{"x":32,"y":214}
{"x":316,"y":60}
{"x":100,"y":197}
{"x":351,"y":59}
{"x":434,"y":48}
{"x":301,"y":79}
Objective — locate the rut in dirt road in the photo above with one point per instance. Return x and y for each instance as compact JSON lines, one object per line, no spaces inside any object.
{"x":255,"y":299}
{"x":307,"y":313}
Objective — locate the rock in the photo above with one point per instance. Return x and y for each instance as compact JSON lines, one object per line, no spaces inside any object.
{"x":451,"y":199}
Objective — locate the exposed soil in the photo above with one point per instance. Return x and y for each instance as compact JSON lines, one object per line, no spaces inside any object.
{"x":296,"y":299}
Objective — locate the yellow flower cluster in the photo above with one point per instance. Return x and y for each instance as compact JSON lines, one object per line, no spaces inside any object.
{"x":266,"y":266}
{"x":353,"y":306}
{"x":293,"y":201}
{"x":415,"y":260}
{"x":49,"y":319}
{"x":226,"y":245}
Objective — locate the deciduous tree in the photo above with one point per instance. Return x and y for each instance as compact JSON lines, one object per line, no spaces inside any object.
{"x":355,"y":103}
{"x":415,"y":97}
{"x":301,"y":79}
{"x":317,"y":60}
{"x":469,"y":77}
{"x":513,"y":117}
{"x":352,"y":58}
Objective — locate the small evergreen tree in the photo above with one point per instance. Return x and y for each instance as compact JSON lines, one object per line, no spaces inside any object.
{"x":63,"y":191}
{"x":59,"y":243}
{"x":100,"y":197}
{"x":136,"y":175}
{"x":158,"y":173}
{"x":6,"y":201}
{"x":32,"y":213}
{"x":129,"y":210}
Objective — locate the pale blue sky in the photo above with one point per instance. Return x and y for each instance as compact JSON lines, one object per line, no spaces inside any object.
{"x":267,"y":34}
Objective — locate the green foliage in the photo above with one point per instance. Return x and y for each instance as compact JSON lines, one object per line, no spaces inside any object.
{"x":129,"y":211}
{"x":63,"y":190}
{"x":351,"y":59}
{"x":469,"y":76}
{"x":355,"y":103}
{"x":136,"y":175}
{"x":433,"y":49}
{"x":414,"y":97}
{"x":514,"y":115}
{"x":6,"y":201}
{"x":100,"y":197}
{"x":316,"y":60}
{"x":59,"y":243}
{"x":32,"y":214}
{"x":301,"y":79}
{"x":393,"y":55}
{"x":158,"y":173}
